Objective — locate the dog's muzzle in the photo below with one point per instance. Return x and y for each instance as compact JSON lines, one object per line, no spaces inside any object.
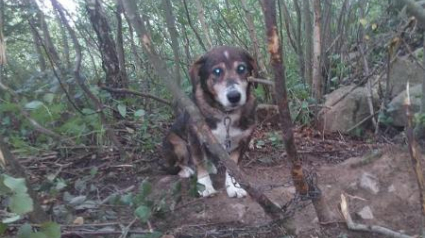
{"x":234,"y":96}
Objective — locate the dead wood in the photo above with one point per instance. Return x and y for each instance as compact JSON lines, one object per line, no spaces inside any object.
{"x":416,"y":157}
{"x":361,"y":227}
{"x":200,"y":127}
{"x":276,"y":56}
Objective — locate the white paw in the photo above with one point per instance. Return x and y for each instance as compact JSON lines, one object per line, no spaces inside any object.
{"x":233,"y":188}
{"x":186,"y":172}
{"x":207,"y":189}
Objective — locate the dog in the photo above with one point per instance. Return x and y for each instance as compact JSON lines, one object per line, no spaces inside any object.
{"x":224,"y":96}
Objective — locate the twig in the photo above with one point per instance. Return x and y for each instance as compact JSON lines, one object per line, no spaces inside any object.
{"x":261,"y":81}
{"x":362,"y":121}
{"x":128,"y":91}
{"x":361,"y":227}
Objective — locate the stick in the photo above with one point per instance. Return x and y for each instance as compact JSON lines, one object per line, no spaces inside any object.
{"x":361,"y":227}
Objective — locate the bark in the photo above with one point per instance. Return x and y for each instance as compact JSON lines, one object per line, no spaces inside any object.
{"x":17,"y":170}
{"x":171,"y":25}
{"x":38,"y":48}
{"x":202,"y":129}
{"x":120,"y":43}
{"x":276,"y":56}
{"x":80,"y":81}
{"x":308,"y":28}
{"x":317,"y":74}
{"x":204,"y":26}
{"x":64,"y":42}
{"x":107,"y":46}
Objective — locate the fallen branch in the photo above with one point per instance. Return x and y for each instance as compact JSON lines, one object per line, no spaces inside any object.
{"x":128,"y":91}
{"x":361,"y":227}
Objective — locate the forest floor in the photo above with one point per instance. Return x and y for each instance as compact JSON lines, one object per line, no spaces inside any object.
{"x":338,"y":162}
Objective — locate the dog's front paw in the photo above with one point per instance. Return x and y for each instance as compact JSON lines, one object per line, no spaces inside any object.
{"x":206,"y":189}
{"x":233,"y":188}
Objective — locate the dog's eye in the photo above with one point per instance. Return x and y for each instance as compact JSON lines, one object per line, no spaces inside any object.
{"x":241,"y":69}
{"x":217,"y":72}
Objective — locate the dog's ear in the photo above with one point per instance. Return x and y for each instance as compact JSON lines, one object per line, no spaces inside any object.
{"x":195,"y":70}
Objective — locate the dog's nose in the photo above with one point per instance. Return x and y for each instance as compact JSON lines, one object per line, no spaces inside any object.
{"x":233,"y":96}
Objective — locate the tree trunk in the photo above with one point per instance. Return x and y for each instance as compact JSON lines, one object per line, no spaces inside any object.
{"x":107,"y":47}
{"x":308,"y":29}
{"x":171,"y":25}
{"x":317,"y":74}
{"x":276,"y":56}
{"x":192,"y":26}
{"x":120,"y":44}
{"x":204,"y":26}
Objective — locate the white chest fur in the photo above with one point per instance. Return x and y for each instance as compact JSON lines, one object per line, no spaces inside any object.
{"x":235,"y":134}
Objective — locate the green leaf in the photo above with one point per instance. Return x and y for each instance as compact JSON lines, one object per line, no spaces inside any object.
{"x":51,"y":229}
{"x":49,"y":98}
{"x":17,"y":185}
{"x":33,"y":104}
{"x":25,"y":231}
{"x":139,"y":113}
{"x":3,"y":228}
{"x":155,"y":234}
{"x":11,"y":219}
{"x":21,"y":203}
{"x":122,"y":109}
{"x":145,"y":188}
{"x":143,"y":213}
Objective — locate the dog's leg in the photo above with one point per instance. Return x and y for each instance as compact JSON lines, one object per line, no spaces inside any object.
{"x":203,"y":177}
{"x":233,"y":188}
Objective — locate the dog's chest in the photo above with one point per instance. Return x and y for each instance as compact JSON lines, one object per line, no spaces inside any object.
{"x":228,"y":130}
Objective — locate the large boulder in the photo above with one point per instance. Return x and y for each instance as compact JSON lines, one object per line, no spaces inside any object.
{"x":342,"y":114}
{"x":396,"y":109}
{"x":403,"y":70}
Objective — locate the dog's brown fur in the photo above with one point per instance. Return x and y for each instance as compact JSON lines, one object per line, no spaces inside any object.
{"x":181,"y":148}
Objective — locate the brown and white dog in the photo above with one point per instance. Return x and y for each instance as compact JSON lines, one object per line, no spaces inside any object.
{"x":223,"y":95}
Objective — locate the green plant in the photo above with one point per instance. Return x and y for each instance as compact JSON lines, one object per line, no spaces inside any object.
{"x":19,"y":203}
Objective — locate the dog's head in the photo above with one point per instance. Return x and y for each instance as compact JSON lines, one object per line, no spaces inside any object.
{"x":222,"y":74}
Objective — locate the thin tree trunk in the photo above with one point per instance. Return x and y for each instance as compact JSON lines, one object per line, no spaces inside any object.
{"x":171,"y":25}
{"x":65,"y":43}
{"x":276,"y":56}
{"x":308,"y":29}
{"x":317,"y":74}
{"x":192,"y":26}
{"x":107,"y":46}
{"x":204,"y":26}
{"x":120,"y":44}
{"x":37,"y":45}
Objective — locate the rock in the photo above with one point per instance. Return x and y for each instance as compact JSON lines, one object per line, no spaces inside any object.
{"x":365,"y":213}
{"x":396,"y":109}
{"x":346,"y":113}
{"x":369,"y":183}
{"x":403,"y":70}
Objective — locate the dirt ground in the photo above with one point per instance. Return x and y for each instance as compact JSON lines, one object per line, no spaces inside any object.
{"x":338,"y":162}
